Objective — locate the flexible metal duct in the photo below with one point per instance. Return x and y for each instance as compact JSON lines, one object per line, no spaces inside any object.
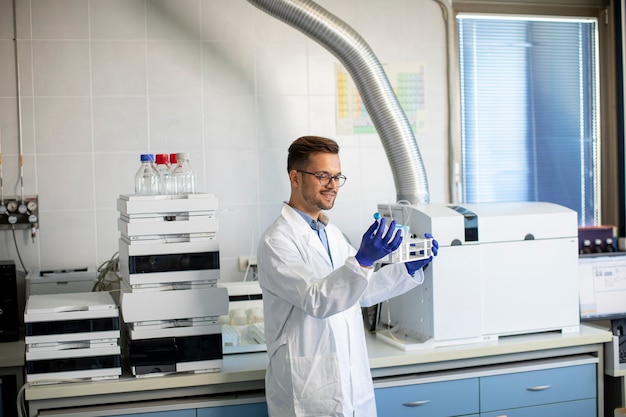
{"x":373,"y":86}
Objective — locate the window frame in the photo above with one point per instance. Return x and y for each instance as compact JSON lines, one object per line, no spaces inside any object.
{"x":611,"y":173}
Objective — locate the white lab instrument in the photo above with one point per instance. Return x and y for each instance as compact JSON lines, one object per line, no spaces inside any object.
{"x":72,"y":335}
{"x":70,"y":317}
{"x":170,"y":301}
{"x":502,"y":269}
{"x":173,"y":305}
{"x":60,"y":281}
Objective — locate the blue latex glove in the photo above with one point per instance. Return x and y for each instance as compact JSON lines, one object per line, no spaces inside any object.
{"x":376,"y":243}
{"x":417,"y":265}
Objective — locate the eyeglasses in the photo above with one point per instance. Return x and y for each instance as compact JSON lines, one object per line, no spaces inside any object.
{"x":324,"y":178}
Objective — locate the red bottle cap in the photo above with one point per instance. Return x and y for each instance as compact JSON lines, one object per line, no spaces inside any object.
{"x":162,"y":158}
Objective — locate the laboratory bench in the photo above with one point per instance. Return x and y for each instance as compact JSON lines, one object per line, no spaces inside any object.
{"x":539,"y":374}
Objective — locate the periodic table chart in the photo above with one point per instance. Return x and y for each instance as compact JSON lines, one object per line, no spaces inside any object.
{"x":407,"y":81}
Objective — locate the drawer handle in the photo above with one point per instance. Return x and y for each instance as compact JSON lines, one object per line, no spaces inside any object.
{"x":415,"y":403}
{"x":539,"y":388}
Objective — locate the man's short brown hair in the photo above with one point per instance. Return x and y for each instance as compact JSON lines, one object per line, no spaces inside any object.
{"x":304,"y":146}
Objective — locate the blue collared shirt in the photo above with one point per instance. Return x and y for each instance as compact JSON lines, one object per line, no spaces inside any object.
{"x":320,"y":227}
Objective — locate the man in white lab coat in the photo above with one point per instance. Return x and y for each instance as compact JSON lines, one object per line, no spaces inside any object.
{"x":314,"y":283}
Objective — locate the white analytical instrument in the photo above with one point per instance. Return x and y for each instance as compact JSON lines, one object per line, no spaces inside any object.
{"x":60,"y":281}
{"x":72,"y":336}
{"x":502,"y":269}
{"x":170,"y":300}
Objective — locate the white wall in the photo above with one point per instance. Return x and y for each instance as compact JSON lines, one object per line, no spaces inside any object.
{"x":105,"y":80}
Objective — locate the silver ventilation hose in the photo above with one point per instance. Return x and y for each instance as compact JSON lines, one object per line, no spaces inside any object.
{"x":370,"y":79}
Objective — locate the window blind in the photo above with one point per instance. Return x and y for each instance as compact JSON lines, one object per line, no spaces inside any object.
{"x":529,"y":128}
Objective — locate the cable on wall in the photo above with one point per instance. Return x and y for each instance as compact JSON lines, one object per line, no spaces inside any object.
{"x":19,"y":106}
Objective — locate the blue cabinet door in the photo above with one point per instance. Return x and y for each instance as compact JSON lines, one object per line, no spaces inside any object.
{"x":582,"y":408}
{"x":238,"y":410}
{"x":435,"y":399}
{"x":173,"y":413}
{"x":530,"y":388}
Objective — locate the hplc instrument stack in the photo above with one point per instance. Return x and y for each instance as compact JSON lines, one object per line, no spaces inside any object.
{"x":71,"y":337}
{"x":170,"y":301}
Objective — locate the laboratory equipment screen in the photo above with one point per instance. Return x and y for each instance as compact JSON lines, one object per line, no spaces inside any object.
{"x":602,"y":286}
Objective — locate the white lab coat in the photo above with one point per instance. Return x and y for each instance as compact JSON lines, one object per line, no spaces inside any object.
{"x":314,"y":330}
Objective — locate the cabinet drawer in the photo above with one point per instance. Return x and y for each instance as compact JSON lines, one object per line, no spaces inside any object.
{"x":238,"y":410}
{"x":529,"y":388}
{"x":581,"y":408}
{"x":435,"y":399}
{"x":172,"y":413}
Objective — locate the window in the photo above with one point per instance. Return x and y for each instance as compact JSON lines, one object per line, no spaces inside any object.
{"x":530,"y":113}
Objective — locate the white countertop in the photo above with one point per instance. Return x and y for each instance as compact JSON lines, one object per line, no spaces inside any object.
{"x":383,"y":355}
{"x":248,"y":367}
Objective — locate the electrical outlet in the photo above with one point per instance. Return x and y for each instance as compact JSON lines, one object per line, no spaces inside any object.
{"x":19,"y":213}
{"x":245,"y":261}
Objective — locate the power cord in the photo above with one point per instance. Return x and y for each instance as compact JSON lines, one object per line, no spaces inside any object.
{"x":17,"y":249}
{"x":21,"y":401}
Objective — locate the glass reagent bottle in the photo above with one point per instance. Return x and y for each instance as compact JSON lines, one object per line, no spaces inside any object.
{"x":147,"y":181}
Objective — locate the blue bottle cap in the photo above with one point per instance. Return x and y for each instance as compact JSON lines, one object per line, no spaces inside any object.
{"x":147,"y":157}
{"x":376,"y":215}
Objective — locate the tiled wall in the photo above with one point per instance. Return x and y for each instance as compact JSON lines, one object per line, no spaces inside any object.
{"x":102,"y":81}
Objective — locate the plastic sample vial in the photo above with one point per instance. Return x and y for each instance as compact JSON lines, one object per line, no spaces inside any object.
{"x":147,"y":181}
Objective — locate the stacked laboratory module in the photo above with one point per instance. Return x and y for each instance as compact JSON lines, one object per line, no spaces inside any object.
{"x":72,"y":336}
{"x":170,"y":301}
